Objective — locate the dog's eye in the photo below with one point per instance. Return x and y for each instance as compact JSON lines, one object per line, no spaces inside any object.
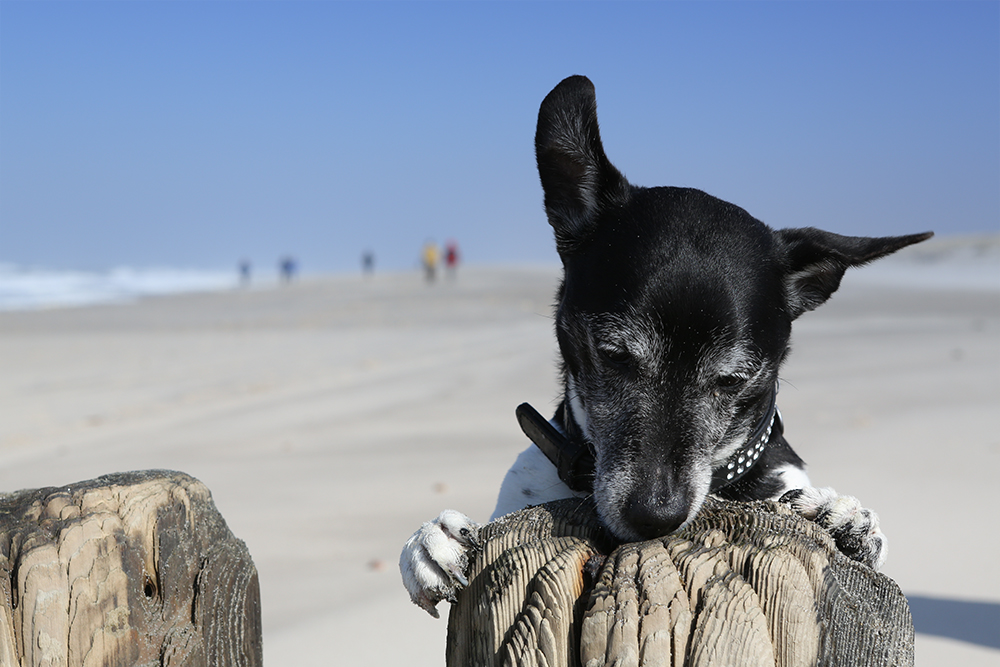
{"x":731,"y":383}
{"x":617,"y":356}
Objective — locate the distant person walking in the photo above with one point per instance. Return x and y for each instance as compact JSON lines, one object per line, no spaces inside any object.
{"x":245,"y":270}
{"x":368,"y":263}
{"x":287,"y":268}
{"x":451,"y":259}
{"x":430,"y":258}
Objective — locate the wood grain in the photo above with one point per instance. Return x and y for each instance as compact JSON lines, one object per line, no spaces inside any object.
{"x":128,"y":569}
{"x":746,"y":584}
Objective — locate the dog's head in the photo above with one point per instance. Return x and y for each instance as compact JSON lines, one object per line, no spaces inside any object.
{"x":673,"y":317}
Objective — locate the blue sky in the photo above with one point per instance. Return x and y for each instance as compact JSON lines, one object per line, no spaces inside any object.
{"x":192,"y":134}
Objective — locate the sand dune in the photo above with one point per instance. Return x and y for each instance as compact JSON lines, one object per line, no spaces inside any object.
{"x":332,"y":417}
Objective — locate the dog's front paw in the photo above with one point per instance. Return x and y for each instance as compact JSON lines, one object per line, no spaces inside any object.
{"x":436,"y":557}
{"x":854,"y":528}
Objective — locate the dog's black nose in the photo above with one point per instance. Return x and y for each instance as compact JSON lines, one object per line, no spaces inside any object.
{"x":651,"y":516}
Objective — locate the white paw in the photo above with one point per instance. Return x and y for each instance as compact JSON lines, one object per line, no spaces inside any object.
{"x":854,"y":528}
{"x":435,"y":558}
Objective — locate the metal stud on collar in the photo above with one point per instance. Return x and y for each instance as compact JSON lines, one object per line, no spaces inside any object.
{"x":740,"y":463}
{"x":742,"y":460}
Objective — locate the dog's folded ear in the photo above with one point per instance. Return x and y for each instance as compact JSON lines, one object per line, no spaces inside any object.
{"x":577,"y":177}
{"x":816,"y":261}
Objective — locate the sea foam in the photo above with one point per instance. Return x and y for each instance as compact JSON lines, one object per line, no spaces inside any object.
{"x":26,"y":289}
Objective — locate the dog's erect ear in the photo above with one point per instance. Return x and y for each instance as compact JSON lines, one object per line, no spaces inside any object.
{"x":817,"y":260}
{"x":577,"y":177}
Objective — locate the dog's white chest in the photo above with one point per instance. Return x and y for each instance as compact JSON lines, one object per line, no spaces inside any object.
{"x":532,"y":480}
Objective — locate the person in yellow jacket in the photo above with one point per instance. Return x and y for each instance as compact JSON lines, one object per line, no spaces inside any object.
{"x":430,"y":260}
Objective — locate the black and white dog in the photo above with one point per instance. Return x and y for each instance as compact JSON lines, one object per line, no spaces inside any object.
{"x":673,"y":319}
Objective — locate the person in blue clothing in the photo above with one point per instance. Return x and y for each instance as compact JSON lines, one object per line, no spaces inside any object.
{"x":287,"y":267}
{"x":245,"y":270}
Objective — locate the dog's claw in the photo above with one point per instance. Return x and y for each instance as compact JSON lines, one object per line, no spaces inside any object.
{"x":435,"y":559}
{"x":853,"y":528}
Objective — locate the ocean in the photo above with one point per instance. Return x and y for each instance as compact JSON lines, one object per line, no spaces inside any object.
{"x":28,"y":288}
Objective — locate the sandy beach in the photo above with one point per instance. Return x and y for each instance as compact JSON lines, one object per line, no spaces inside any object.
{"x":331,"y":417}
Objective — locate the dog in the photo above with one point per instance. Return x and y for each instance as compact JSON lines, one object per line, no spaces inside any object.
{"x":673,"y":318}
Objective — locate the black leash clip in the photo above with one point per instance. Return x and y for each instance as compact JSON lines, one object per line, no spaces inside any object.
{"x":573,"y":460}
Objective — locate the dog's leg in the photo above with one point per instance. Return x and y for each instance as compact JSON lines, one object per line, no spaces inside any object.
{"x":780,"y":475}
{"x":532,"y":480}
{"x":854,"y":528}
{"x":435,"y":558}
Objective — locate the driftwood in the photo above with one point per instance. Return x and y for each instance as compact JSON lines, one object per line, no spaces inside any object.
{"x":128,"y":569}
{"x":743,"y":585}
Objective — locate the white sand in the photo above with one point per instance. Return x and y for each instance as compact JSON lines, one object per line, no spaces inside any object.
{"x":331,"y":418}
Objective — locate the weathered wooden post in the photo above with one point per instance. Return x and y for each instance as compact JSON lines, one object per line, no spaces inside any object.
{"x":746,"y":584}
{"x":130,"y":569}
